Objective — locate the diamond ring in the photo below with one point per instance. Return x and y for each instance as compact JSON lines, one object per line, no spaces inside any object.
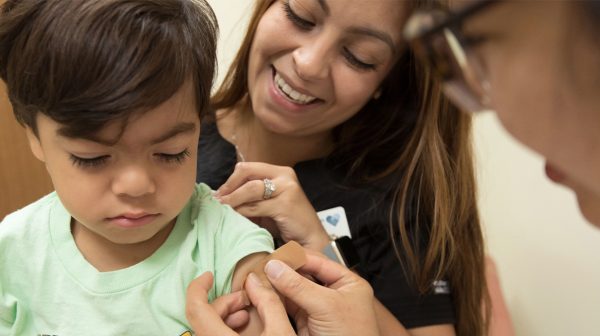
{"x":269,"y":188}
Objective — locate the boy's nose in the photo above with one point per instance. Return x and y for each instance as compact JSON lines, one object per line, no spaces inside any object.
{"x":133,"y":182}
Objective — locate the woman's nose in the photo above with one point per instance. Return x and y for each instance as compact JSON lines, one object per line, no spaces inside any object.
{"x":133,"y":181}
{"x":312,"y":61}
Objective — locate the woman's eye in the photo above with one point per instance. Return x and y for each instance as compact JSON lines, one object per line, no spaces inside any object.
{"x":174,"y":158}
{"x":473,"y":41}
{"x":296,"y":19}
{"x":354,"y":61}
{"x":88,"y":162}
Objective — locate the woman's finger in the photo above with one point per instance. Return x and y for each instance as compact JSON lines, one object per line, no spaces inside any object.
{"x":270,"y":308}
{"x":237,"y":319}
{"x":249,"y":192}
{"x":266,"y":208}
{"x":296,"y":288}
{"x":201,"y":315}
{"x":246,"y":171}
{"x":327,"y":271}
{"x":330,"y":307}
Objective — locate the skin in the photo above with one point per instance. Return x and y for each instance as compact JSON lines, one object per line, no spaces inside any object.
{"x":316,"y":61}
{"x":144,"y":172}
{"x":132,"y":177}
{"x":555,"y":111}
{"x":345,"y":306}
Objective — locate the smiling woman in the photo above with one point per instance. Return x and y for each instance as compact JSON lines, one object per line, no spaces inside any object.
{"x":324,"y":101}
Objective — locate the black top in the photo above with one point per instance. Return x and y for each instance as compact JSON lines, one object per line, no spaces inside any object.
{"x":367,"y":210}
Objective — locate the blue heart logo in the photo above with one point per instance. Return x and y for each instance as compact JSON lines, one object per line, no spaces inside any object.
{"x":333,"y":219}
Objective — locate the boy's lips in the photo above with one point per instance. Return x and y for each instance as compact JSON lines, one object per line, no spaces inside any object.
{"x":131,"y":220}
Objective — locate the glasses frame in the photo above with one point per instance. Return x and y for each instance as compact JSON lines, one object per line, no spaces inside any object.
{"x":455,"y":19}
{"x":436,"y":38}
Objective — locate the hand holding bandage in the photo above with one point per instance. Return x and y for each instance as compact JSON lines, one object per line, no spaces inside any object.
{"x":343,"y":307}
{"x":228,"y":312}
{"x":290,"y":253}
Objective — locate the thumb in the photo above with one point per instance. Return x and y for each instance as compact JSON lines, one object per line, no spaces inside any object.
{"x":295,"y":287}
{"x":197,"y":296}
{"x":202,"y":317}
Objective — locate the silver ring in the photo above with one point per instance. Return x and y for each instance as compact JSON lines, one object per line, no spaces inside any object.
{"x":269,"y":188}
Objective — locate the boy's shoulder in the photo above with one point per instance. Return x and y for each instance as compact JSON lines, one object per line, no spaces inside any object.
{"x":26,"y":230}
{"x":220,"y":221}
{"x":203,"y":202}
{"x":26,"y":216}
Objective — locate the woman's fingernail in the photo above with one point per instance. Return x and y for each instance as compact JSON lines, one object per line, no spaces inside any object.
{"x":253,"y":278}
{"x":274,"y":268}
{"x":245,"y":299}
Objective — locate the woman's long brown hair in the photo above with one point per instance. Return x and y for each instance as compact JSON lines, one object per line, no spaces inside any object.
{"x":413,"y":136}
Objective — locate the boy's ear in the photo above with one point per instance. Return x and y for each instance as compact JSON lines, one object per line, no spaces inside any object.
{"x":34,"y":144}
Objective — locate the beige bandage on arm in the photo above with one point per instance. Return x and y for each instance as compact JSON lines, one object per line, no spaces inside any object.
{"x":290,"y":253}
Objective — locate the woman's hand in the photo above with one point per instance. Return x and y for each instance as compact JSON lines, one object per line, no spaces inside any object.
{"x":227,"y":313}
{"x":344,"y":306}
{"x":287,"y":213}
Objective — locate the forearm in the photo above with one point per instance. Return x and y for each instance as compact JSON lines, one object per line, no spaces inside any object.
{"x":388,"y":324}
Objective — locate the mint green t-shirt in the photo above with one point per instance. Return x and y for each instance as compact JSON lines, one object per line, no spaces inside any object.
{"x":48,"y":288}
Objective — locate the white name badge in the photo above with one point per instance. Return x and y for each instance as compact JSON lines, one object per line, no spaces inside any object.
{"x":335,"y":222}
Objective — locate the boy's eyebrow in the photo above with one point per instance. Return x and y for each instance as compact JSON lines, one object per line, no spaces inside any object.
{"x":180,"y":128}
{"x":184,"y":127}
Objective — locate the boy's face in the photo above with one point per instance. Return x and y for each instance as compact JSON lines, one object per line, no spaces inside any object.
{"x":127,"y":192}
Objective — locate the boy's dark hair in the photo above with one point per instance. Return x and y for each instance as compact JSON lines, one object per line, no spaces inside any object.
{"x":84,"y":63}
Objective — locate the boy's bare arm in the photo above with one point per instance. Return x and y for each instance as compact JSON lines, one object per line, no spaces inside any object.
{"x":242,"y":269}
{"x":290,"y":253}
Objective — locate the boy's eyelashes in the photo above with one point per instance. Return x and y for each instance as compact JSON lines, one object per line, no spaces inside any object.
{"x":88,"y":162}
{"x":174,"y":158}
{"x":98,"y":161}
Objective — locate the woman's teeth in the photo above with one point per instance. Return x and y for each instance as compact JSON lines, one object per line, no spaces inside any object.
{"x":292,"y":94}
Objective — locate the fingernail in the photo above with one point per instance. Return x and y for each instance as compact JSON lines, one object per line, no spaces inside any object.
{"x":252,"y":277}
{"x":274,"y":268}
{"x":245,"y":298}
{"x":217,"y":194}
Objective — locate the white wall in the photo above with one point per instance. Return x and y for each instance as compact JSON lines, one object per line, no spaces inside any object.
{"x":547,"y":255}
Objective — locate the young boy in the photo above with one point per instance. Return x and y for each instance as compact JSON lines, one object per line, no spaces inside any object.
{"x":111,"y":93}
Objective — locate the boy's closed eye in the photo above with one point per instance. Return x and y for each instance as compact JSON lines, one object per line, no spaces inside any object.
{"x":97,"y":161}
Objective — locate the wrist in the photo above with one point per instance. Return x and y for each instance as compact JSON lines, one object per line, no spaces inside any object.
{"x":317,"y":241}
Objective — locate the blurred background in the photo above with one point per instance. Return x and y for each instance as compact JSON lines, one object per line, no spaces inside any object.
{"x":547,"y":255}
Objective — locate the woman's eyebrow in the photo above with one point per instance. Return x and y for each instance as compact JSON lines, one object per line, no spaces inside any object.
{"x":380,"y":35}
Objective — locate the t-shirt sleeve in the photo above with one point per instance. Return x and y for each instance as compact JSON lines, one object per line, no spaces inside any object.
{"x":8,"y":303}
{"x":238,"y":237}
{"x":7,"y":316}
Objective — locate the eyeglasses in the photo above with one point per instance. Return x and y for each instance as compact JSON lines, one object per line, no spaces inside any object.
{"x":437,"y":39}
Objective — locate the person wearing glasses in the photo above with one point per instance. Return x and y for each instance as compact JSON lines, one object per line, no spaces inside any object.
{"x":535,"y":63}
